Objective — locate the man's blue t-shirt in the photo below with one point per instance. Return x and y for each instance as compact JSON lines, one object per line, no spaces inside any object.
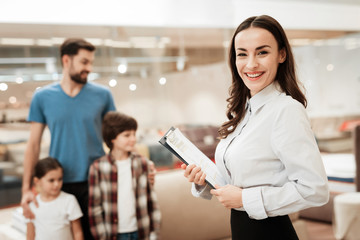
{"x":75,"y":125}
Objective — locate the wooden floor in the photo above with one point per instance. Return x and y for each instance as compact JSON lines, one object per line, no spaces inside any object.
{"x":319,"y":230}
{"x":316,"y":230}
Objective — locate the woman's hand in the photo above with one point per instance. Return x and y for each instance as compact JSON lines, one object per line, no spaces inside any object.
{"x":194,"y":174}
{"x":228,"y":195}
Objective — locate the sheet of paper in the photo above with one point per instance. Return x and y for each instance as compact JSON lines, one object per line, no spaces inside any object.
{"x":190,"y":154}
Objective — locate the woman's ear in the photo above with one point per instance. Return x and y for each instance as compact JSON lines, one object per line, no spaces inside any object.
{"x":282,"y":54}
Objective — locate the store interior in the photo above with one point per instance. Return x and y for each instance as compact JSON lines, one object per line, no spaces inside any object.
{"x":165,"y":63}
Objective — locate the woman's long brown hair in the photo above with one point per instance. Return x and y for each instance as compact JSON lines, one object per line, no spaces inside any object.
{"x":285,"y":76}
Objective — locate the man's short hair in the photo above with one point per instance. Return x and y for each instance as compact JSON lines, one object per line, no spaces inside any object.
{"x":71,"y":46}
{"x":115,"y":123}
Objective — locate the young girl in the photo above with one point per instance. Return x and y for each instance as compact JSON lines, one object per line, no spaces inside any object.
{"x":57,"y":214}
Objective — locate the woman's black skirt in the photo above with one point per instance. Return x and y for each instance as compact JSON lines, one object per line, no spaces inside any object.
{"x":245,"y":228}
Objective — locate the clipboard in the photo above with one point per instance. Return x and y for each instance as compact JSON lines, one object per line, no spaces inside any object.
{"x":188,"y":153}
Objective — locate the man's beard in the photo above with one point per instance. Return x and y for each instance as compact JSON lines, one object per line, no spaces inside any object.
{"x":78,"y":79}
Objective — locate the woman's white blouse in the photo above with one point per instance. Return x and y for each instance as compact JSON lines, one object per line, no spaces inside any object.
{"x":273,"y":156}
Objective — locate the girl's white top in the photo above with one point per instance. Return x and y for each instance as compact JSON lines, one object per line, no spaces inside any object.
{"x":52,"y":219}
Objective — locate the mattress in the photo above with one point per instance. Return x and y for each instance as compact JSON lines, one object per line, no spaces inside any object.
{"x":340,"y":169}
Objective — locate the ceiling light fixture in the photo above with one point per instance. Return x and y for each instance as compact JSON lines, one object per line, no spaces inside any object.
{"x":19,"y":80}
{"x":112,"y":83}
{"x":132,"y":87}
{"x":180,"y":64}
{"x":12,"y":99}
{"x":143,"y":73}
{"x":150,"y":59}
{"x":3,"y":87}
{"x":122,"y":68}
{"x":18,"y":41}
{"x":330,"y":67}
{"x":162,"y":81}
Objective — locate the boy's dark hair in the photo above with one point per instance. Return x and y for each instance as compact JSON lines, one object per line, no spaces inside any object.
{"x":115,"y":123}
{"x":43,"y":166}
{"x":71,"y":46}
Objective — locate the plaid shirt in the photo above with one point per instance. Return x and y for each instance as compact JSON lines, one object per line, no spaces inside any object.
{"x":103,"y":211}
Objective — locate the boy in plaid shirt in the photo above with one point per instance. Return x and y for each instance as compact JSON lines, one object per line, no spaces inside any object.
{"x":122,"y":202}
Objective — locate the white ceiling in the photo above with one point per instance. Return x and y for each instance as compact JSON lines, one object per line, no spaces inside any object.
{"x":293,"y":14}
{"x":199,"y":29}
{"x":195,"y":23}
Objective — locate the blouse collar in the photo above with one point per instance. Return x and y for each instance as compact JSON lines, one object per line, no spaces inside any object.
{"x":264,"y":96}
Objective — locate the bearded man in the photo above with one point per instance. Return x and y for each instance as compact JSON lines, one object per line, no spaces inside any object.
{"x":73,"y":110}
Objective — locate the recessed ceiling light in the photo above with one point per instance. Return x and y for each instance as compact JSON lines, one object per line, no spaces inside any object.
{"x":122,"y":68}
{"x":162,"y":81}
{"x":132,"y":87}
{"x":112,"y":83}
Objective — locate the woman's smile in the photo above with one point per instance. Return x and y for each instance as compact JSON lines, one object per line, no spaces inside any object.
{"x":253,"y":76}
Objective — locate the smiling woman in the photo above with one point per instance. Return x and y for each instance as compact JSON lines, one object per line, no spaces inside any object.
{"x":267,"y":152}
{"x":257,"y":58}
{"x":269,"y":56}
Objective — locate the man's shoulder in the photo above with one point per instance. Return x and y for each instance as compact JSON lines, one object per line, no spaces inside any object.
{"x":47,"y":89}
{"x":50,"y":87}
{"x":97,"y":87}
